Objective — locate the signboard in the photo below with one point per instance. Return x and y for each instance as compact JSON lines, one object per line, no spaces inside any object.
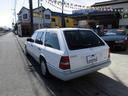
{"x":83,"y":11}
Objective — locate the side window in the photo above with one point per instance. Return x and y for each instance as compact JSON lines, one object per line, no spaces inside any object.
{"x":51,"y":40}
{"x":34,"y":35}
{"x":38,"y":38}
{"x":42,"y":37}
{"x":39,"y":35}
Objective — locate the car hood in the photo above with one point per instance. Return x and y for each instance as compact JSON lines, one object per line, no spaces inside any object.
{"x":113,"y":38}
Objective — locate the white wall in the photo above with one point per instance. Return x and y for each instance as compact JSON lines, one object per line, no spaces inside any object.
{"x":48,"y":12}
{"x":122,"y":5}
{"x":39,"y":20}
{"x":24,"y":11}
{"x":122,"y":21}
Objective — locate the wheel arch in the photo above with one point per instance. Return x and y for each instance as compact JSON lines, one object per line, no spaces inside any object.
{"x":42,"y":58}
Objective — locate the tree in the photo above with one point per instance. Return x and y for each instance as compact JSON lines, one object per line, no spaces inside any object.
{"x":1,"y":29}
{"x":16,"y":27}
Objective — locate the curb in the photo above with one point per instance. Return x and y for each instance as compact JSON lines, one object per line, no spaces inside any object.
{"x":3,"y":34}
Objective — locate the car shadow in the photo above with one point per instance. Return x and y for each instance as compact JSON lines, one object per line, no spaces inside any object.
{"x":95,"y":84}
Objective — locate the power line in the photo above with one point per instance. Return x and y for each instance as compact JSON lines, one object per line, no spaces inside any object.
{"x":15,"y":2}
{"x":57,"y":6}
{"x":23,"y":2}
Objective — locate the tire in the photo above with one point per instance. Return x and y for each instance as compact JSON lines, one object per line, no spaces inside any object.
{"x":44,"y":69}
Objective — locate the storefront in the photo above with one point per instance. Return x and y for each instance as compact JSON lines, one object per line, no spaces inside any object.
{"x":108,"y":19}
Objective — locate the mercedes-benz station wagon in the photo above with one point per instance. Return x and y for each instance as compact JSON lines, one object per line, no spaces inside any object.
{"x":68,"y":53}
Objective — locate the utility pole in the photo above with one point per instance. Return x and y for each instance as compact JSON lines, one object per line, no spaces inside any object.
{"x":14,"y":14}
{"x":39,"y":14}
{"x":38,"y":3}
{"x":31,"y":16}
{"x":42,"y":17}
{"x":62,"y":18}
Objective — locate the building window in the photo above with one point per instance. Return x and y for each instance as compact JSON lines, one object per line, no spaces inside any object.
{"x":47,"y":16}
{"x":53,"y":20}
{"x":51,"y":40}
{"x":20,"y":18}
{"x":25,"y":16}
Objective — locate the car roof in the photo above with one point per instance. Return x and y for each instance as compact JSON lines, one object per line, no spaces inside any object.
{"x":63,"y":29}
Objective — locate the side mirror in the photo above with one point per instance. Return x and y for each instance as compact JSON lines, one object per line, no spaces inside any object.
{"x":38,"y":42}
{"x":30,"y":40}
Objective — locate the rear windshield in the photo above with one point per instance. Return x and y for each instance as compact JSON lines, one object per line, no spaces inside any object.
{"x":80,"y":39}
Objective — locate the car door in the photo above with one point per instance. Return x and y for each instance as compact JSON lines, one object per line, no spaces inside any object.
{"x":52,"y":51}
{"x":38,"y":45}
{"x":30,"y":44}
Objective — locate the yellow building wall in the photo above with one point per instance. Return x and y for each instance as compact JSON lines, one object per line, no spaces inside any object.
{"x":57,"y":21}
{"x":69,"y":22}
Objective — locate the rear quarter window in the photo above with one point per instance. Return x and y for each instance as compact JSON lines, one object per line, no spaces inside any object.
{"x":51,"y":40}
{"x":80,"y":39}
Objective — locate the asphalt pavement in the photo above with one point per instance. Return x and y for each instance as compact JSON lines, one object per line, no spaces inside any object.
{"x":21,"y":75}
{"x":15,"y":79}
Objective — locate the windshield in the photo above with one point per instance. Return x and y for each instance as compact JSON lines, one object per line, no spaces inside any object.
{"x":79,"y":39}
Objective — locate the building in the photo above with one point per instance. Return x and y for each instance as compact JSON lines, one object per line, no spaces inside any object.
{"x":41,"y":19}
{"x":56,"y":20}
{"x":117,"y":5}
{"x":23,"y":22}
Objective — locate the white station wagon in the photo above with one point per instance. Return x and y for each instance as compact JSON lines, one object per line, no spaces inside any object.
{"x":68,"y":53}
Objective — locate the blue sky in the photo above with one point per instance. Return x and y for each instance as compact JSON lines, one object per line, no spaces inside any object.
{"x":7,"y":6}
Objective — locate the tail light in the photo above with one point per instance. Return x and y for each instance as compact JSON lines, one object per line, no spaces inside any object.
{"x":64,"y":63}
{"x":109,"y":53}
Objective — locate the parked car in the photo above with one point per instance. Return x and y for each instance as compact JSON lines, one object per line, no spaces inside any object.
{"x":116,"y":39}
{"x":68,"y":53}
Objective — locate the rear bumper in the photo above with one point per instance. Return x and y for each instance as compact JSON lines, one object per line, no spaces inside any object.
{"x":68,"y":75}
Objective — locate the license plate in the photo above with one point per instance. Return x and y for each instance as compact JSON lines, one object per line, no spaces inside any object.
{"x":91,"y":59}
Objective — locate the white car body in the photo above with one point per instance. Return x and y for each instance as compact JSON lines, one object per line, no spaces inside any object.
{"x":79,"y":61}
